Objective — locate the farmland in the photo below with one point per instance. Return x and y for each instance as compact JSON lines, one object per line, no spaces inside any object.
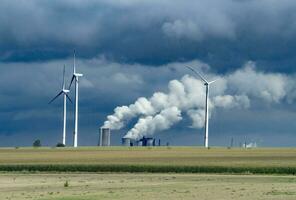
{"x":161,"y":159}
{"x":97,"y":173}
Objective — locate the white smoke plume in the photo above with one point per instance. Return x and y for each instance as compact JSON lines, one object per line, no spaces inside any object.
{"x":187,"y":96}
{"x":149,"y":124}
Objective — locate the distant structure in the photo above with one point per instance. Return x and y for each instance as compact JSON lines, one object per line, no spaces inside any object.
{"x":207,"y":84}
{"x":147,"y":141}
{"x":126,"y":141}
{"x":141,"y":142}
{"x":251,"y":145}
{"x":75,"y":78}
{"x":105,"y":134}
{"x":231,"y":142}
{"x":63,"y":92}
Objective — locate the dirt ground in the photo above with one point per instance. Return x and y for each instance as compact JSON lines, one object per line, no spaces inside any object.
{"x":19,"y":186}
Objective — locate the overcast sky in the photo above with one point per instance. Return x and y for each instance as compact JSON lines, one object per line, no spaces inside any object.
{"x":128,"y":49}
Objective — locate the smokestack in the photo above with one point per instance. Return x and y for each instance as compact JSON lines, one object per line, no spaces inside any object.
{"x":105,"y":137}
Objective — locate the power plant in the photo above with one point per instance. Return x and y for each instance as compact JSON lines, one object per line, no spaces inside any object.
{"x":105,"y":135}
{"x":105,"y":140}
{"x":144,"y":141}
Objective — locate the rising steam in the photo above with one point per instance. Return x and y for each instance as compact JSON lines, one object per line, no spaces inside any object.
{"x":187,"y":96}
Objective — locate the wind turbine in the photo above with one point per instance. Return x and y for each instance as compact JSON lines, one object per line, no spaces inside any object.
{"x":207,"y":84}
{"x":63,"y":92}
{"x":76,"y":78}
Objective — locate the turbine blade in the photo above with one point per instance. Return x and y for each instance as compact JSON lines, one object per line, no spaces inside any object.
{"x":73,"y":77}
{"x":213,"y":81}
{"x":74,"y":63}
{"x":198,"y":74}
{"x":68,"y":97}
{"x":55,"y":97}
{"x":64,"y":77}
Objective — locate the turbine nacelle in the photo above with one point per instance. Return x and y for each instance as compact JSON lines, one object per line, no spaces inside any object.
{"x":77,"y":74}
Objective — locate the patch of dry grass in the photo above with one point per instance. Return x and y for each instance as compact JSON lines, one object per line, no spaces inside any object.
{"x":145,"y":186}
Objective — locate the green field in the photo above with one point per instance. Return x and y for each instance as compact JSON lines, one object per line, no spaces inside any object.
{"x":145,"y":186}
{"x":154,"y":159}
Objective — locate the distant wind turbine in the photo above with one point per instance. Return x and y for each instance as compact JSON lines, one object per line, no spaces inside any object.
{"x":65,"y":94}
{"x":76,"y":78}
{"x":207,"y":84}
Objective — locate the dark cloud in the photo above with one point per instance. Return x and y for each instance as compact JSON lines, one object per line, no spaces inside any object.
{"x":223,"y":33}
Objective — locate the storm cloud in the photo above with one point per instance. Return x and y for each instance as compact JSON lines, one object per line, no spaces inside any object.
{"x":223,"y":33}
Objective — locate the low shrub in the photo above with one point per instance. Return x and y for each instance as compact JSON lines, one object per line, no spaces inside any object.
{"x":60,"y":145}
{"x":66,"y":184}
{"x":148,"y":169}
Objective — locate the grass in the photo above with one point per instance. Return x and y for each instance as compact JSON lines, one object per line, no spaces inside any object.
{"x":157,"y":159}
{"x":88,"y":186}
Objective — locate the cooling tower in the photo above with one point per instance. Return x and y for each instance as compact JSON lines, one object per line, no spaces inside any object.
{"x":105,"y":137}
{"x":126,"y":141}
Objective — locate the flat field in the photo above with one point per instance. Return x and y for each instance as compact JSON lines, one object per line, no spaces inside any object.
{"x":173,"y":156}
{"x":17,"y":186}
{"x":40,"y":184}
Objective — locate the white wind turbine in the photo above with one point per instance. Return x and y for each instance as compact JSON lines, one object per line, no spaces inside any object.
{"x":65,"y":94}
{"x":207,"y":84}
{"x":76,"y":78}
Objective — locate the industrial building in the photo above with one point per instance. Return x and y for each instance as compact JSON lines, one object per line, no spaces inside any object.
{"x":105,"y":135}
{"x":126,"y":141}
{"x":141,"y":142}
{"x":147,"y":141}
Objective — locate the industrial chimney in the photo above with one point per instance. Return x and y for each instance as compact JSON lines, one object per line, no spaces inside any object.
{"x":105,"y":137}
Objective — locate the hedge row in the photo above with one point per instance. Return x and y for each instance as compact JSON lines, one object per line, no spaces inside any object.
{"x":148,"y":168}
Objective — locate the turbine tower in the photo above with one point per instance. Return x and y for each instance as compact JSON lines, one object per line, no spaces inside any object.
{"x":65,"y":94}
{"x":76,"y":78}
{"x":207,"y":84}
